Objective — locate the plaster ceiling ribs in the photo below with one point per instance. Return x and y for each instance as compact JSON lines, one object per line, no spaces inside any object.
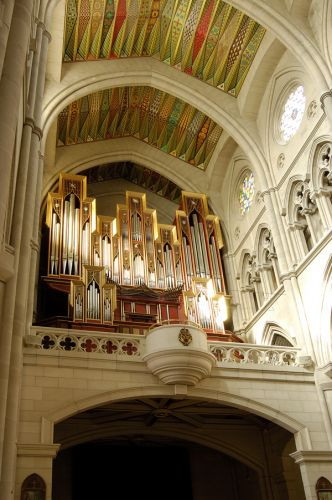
{"x":137,"y":174}
{"x":148,"y":114}
{"x":208,"y":39}
{"x":151,"y":412}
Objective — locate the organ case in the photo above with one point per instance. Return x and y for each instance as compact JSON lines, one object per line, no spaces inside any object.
{"x":133,"y":253}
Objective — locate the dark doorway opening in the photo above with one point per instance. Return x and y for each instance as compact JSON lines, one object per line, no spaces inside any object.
{"x":102,"y":471}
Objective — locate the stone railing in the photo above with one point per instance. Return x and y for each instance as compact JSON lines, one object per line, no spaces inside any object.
{"x":127,"y":346}
{"x":61,"y":339}
{"x":253,"y":354}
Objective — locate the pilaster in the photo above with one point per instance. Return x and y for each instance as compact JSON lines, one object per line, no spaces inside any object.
{"x":313,"y":465}
{"x":38,"y":459}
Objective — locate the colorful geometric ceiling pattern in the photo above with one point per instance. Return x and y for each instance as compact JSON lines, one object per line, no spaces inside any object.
{"x":148,"y":114}
{"x":141,"y":176}
{"x":208,"y":39}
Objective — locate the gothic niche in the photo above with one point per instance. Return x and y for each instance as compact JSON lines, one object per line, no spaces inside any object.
{"x":33,"y":488}
{"x":325,"y":167}
{"x":307,"y":217}
{"x":269,"y":263}
{"x":324,"y":489}
{"x":252,"y":284}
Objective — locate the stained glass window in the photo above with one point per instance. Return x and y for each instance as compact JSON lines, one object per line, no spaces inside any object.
{"x":292,"y":114}
{"x":247,"y":191}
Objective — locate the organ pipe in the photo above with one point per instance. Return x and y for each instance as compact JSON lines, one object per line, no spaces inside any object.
{"x":93,"y":300}
{"x":85,"y":243}
{"x":198,"y":245}
{"x":204,"y":249}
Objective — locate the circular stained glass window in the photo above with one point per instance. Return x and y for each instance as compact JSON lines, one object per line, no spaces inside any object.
{"x":247,"y":191}
{"x":292,"y":114}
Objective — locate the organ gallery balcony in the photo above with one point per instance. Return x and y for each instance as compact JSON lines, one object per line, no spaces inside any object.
{"x":177,"y":352}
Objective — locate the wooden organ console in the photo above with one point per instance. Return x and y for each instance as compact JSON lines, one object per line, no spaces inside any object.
{"x":127,"y":273}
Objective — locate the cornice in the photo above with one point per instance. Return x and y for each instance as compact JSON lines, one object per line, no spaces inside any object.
{"x":311,"y":456}
{"x":38,"y":450}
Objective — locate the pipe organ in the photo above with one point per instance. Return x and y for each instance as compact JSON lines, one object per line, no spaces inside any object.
{"x":71,"y":219}
{"x":129,"y":268}
{"x":93,"y":299}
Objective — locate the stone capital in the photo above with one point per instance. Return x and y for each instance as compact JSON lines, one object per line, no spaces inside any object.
{"x":300,"y":457}
{"x":37,"y":450}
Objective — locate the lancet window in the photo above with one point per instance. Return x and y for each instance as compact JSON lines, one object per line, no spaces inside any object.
{"x":246,"y":192}
{"x":292,"y":114}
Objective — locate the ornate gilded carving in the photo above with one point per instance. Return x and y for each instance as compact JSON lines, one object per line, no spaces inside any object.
{"x":185,"y":337}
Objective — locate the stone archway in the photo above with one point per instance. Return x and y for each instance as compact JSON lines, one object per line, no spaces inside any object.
{"x":191,"y":424}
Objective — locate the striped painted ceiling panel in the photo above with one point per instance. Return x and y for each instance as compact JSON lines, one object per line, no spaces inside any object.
{"x":148,"y":114}
{"x":208,"y":39}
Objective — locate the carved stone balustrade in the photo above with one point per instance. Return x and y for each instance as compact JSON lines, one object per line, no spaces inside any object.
{"x":159,"y":343}
{"x":253,"y":354}
{"x":95,"y":343}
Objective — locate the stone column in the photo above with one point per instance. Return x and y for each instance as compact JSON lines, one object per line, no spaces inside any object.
{"x":265,"y":281}
{"x":233,"y":282}
{"x":11,"y":85}
{"x":313,"y":465}
{"x":35,"y":247}
{"x":258,"y":291}
{"x":6,"y":12}
{"x":23,"y":226}
{"x":38,"y":459}
{"x":247,"y":307}
{"x":297,"y":230}
{"x":275,"y":265}
{"x":10,"y":94}
{"x":323,"y":199}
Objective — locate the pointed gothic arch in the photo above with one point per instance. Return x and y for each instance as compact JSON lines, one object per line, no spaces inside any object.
{"x":274,"y":334}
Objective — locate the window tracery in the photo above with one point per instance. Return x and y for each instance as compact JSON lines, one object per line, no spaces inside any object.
{"x":292,"y":114}
{"x":307,"y":217}
{"x":260,"y":273}
{"x":33,"y":488}
{"x":325,"y":164}
{"x":321,"y":174}
{"x":246,"y":192}
{"x":280,"y":340}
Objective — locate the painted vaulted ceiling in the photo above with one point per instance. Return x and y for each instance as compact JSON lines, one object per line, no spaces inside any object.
{"x":148,"y":114}
{"x":208,"y":39}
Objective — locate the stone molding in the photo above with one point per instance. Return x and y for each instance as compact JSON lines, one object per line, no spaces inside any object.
{"x":311,"y":456}
{"x":323,"y":97}
{"x":326,"y":369}
{"x":7,"y":256}
{"x":30,"y":122}
{"x":38,"y":450}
